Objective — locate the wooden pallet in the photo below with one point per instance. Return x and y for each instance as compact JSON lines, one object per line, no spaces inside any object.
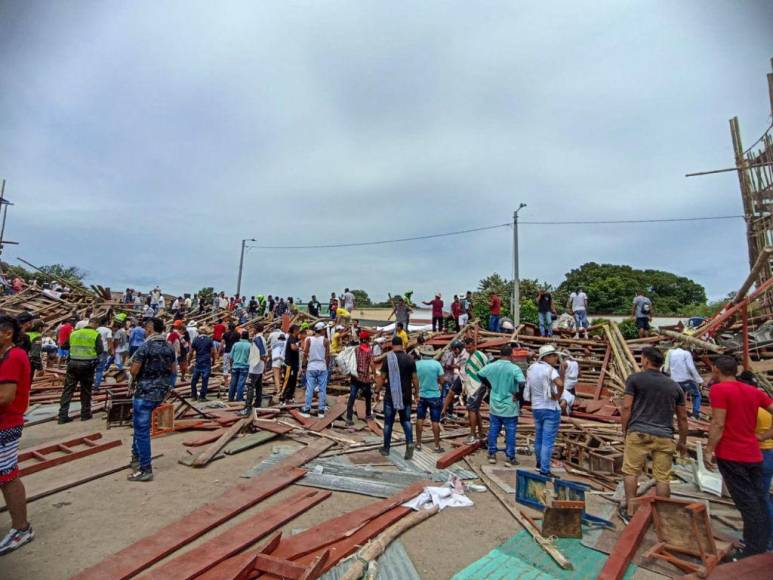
{"x":52,"y":454}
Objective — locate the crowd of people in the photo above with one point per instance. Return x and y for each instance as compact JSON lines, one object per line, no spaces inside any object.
{"x":411,"y":379}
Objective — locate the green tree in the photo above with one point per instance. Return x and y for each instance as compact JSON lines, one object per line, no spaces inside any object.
{"x":611,"y":288}
{"x":504,"y":288}
{"x":361,"y":298}
{"x":206,"y":295}
{"x":72,"y":275}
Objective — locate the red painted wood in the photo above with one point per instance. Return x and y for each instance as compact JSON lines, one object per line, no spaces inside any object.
{"x":42,"y":457}
{"x":237,"y":538}
{"x":333,"y":414}
{"x":305,"y":422}
{"x":144,"y":553}
{"x":235,"y":568}
{"x":277,"y":428}
{"x":204,"y":439}
{"x":452,"y":456}
{"x":335,"y":529}
{"x":625,"y":548}
{"x":758,"y":566}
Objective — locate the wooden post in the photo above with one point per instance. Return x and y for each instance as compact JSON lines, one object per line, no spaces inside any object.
{"x":745,"y":321}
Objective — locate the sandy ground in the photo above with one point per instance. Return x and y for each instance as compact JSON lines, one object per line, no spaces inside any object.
{"x":81,"y":526}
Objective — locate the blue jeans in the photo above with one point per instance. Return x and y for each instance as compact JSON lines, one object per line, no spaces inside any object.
{"x":495,"y":425}
{"x":546,"y":424}
{"x":356,"y":387}
{"x":316,"y":379}
{"x":767,"y":476}
{"x":389,"y":419}
{"x":236,"y":388}
{"x":203,"y":373}
{"x":493,"y":323}
{"x":102,"y":363}
{"x":141,"y":415}
{"x":691,"y":388}
{"x":581,"y":319}
{"x":545,"y":323}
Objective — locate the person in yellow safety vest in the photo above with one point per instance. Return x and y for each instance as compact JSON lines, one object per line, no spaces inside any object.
{"x":85,"y":346}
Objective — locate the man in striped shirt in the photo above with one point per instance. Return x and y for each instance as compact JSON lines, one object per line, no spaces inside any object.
{"x":473,"y":389}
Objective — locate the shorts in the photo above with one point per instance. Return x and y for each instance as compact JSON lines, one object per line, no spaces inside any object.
{"x":581,"y":319}
{"x":643,"y":323}
{"x":435,"y":406}
{"x":277,"y":363}
{"x":63,"y":352}
{"x":9,"y":453}
{"x":639,"y":445}
{"x":456,"y":386}
{"x":475,"y":400}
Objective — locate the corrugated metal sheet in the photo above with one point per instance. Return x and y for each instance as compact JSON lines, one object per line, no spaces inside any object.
{"x":424,"y":462}
{"x":394,"y":564}
{"x":338,"y":476}
{"x":522,"y":557}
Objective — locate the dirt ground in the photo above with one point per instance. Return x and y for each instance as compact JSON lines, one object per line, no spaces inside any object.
{"x":81,"y":526}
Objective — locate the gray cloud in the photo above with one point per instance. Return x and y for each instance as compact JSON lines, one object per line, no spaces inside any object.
{"x":143,"y":141}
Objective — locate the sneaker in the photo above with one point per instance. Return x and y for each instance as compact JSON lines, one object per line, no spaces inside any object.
{"x":418,"y":446}
{"x":438,"y":450}
{"x":349,"y":423}
{"x":202,"y":399}
{"x":321,"y":415}
{"x":135,"y":463}
{"x":244,"y":412}
{"x":15,"y":539}
{"x":86,"y":418}
{"x":622,"y":512}
{"x":492,"y":460}
{"x":282,"y":404}
{"x":471,"y":439}
{"x":141,"y":475}
{"x":63,"y":420}
{"x":408,"y":452}
{"x":306,"y":414}
{"x":384,"y":451}
{"x":511,"y":461}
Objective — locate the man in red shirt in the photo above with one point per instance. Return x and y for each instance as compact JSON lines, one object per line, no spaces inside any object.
{"x":732,"y":440}
{"x":15,"y":379}
{"x":218,"y":330}
{"x":62,"y":338}
{"x":437,"y":312}
{"x":495,"y":311}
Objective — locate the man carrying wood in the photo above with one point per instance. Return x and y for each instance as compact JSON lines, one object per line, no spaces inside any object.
{"x":650,"y":402}
{"x":153,"y":368}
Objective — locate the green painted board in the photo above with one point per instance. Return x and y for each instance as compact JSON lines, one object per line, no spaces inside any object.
{"x":521,"y":557}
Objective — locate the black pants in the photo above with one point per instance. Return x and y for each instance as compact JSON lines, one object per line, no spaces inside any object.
{"x":83,"y":373}
{"x":291,"y":382}
{"x":437,"y":324}
{"x":254,"y":391}
{"x":743,"y":481}
{"x":356,"y":388}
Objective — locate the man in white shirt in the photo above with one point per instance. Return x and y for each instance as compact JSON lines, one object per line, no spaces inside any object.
{"x":104,"y":357}
{"x":681,"y":367}
{"x":578,"y":307}
{"x":348,"y":300}
{"x":193,"y":331}
{"x":544,"y":387}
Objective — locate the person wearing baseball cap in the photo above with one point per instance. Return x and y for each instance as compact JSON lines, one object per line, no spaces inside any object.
{"x":544,"y":387}
{"x":362,"y":382}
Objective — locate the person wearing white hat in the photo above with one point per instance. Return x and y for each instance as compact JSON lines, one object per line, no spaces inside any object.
{"x":544,"y":387}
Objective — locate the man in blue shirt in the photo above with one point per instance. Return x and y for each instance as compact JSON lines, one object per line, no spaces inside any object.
{"x":204,"y":351}
{"x":503,"y":379}
{"x":430,"y":374}
{"x":136,"y":338}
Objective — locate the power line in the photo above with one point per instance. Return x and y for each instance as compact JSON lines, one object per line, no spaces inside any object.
{"x":484,"y":228}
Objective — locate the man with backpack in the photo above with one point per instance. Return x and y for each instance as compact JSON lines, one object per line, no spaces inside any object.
{"x":642,"y":312}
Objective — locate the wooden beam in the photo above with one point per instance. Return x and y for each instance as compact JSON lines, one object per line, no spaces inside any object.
{"x":147,"y":551}
{"x":627,"y":543}
{"x":206,"y":456}
{"x":237,"y":538}
{"x":454,"y":455}
{"x":333,"y":414}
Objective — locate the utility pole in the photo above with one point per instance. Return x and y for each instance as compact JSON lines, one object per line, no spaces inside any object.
{"x":516,"y":277}
{"x":241,"y":266}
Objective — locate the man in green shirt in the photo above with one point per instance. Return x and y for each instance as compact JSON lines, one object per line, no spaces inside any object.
{"x":503,"y":379}
{"x":430,"y":374}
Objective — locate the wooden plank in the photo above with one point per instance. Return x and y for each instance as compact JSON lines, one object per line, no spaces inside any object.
{"x":204,"y":439}
{"x":272,"y":426}
{"x":333,"y":414}
{"x":145,"y":552}
{"x":306,"y":454}
{"x":237,"y":538}
{"x":453,"y":455}
{"x":47,"y":463}
{"x":758,"y":566}
{"x":235,"y":568}
{"x":248,"y":442}
{"x":625,"y":548}
{"x":206,"y":456}
{"x":304,"y":421}
{"x":337,"y":528}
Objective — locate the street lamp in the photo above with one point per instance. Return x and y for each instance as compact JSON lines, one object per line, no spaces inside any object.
{"x":516,"y":280}
{"x":241,"y":266}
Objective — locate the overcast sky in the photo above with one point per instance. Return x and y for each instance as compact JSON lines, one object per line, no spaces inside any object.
{"x":141,"y":141}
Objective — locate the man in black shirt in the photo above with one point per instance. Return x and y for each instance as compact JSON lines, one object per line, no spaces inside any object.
{"x":546,"y":311}
{"x":314,"y":306}
{"x":398,"y":373}
{"x":230,"y":338}
{"x":292,"y":362}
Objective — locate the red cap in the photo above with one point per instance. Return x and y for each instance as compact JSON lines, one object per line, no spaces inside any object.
{"x":364,"y":335}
